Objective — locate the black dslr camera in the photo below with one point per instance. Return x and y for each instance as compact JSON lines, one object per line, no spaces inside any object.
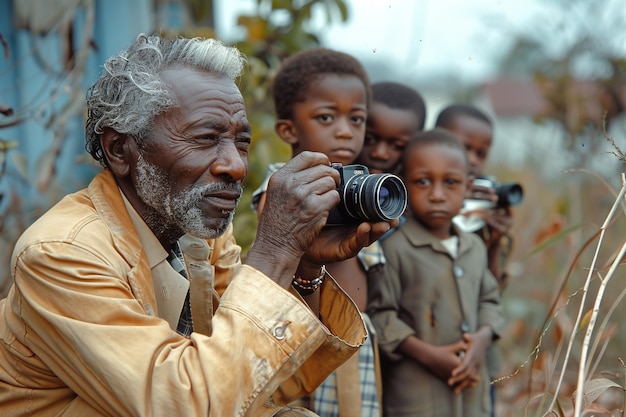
{"x":509,"y":193}
{"x":367,"y":197}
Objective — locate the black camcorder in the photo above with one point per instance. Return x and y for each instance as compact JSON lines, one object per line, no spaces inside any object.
{"x":367,"y":197}
{"x":509,"y":193}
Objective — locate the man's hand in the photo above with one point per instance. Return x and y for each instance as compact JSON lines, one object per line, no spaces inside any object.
{"x":297,"y":202}
{"x":337,"y":243}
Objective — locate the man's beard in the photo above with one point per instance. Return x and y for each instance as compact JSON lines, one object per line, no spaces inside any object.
{"x":178,"y":209}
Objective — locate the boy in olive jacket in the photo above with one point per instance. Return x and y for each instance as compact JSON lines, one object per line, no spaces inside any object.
{"x":435,"y":304}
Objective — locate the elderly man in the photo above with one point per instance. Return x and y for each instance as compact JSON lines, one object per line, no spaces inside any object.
{"x":129,"y":297}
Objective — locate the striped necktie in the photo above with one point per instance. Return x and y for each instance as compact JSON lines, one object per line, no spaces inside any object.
{"x":185,"y":322}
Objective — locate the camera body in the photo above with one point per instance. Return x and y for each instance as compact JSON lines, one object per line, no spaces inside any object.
{"x":508,"y":193}
{"x":367,"y":197}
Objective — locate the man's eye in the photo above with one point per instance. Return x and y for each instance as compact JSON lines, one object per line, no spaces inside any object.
{"x":207,"y":137}
{"x":243,"y":143}
{"x":325,"y":118}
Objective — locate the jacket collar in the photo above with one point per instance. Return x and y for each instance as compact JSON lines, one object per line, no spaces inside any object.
{"x":151,"y":245}
{"x":107,"y":200}
{"x":418,"y":235}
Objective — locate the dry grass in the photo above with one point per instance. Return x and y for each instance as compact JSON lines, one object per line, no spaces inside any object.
{"x":562,"y":352}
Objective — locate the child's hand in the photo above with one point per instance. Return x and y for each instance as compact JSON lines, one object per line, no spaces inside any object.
{"x":442,"y":360}
{"x":498,"y":218}
{"x":500,"y":221}
{"x":466,"y":375}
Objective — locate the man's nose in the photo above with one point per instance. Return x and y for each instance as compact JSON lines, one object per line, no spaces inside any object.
{"x":230,"y":162}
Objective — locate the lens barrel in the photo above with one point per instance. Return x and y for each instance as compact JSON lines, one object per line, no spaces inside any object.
{"x":509,"y":194}
{"x":374,"y":197}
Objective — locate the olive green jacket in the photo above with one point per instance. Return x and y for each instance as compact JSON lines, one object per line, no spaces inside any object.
{"x":423,"y":291}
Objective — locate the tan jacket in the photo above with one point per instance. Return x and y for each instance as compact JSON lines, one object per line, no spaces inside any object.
{"x":82,"y":333}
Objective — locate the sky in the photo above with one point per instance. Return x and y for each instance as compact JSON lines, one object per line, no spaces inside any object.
{"x":419,"y":37}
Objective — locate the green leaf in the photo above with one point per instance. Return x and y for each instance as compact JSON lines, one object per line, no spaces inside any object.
{"x":557,"y":237}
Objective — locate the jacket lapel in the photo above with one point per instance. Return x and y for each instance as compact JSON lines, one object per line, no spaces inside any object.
{"x":169,"y":285}
{"x":171,"y":290}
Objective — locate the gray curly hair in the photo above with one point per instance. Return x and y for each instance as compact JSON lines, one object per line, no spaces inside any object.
{"x":130,"y":93}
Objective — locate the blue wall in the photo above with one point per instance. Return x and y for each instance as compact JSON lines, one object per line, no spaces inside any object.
{"x":36,"y":94}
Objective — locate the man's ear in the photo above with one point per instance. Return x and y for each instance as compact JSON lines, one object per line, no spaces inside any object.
{"x":116,"y":149}
{"x":286,"y":131}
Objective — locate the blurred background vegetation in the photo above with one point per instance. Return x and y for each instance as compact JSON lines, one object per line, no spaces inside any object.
{"x":560,"y":130}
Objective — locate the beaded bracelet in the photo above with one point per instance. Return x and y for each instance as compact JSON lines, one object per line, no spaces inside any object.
{"x":309,"y":286}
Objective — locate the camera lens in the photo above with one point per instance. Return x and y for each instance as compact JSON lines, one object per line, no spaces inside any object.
{"x":509,"y":194}
{"x":375,"y":197}
{"x":383,"y":196}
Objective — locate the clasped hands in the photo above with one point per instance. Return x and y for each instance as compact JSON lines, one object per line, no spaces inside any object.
{"x":458,"y":364}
